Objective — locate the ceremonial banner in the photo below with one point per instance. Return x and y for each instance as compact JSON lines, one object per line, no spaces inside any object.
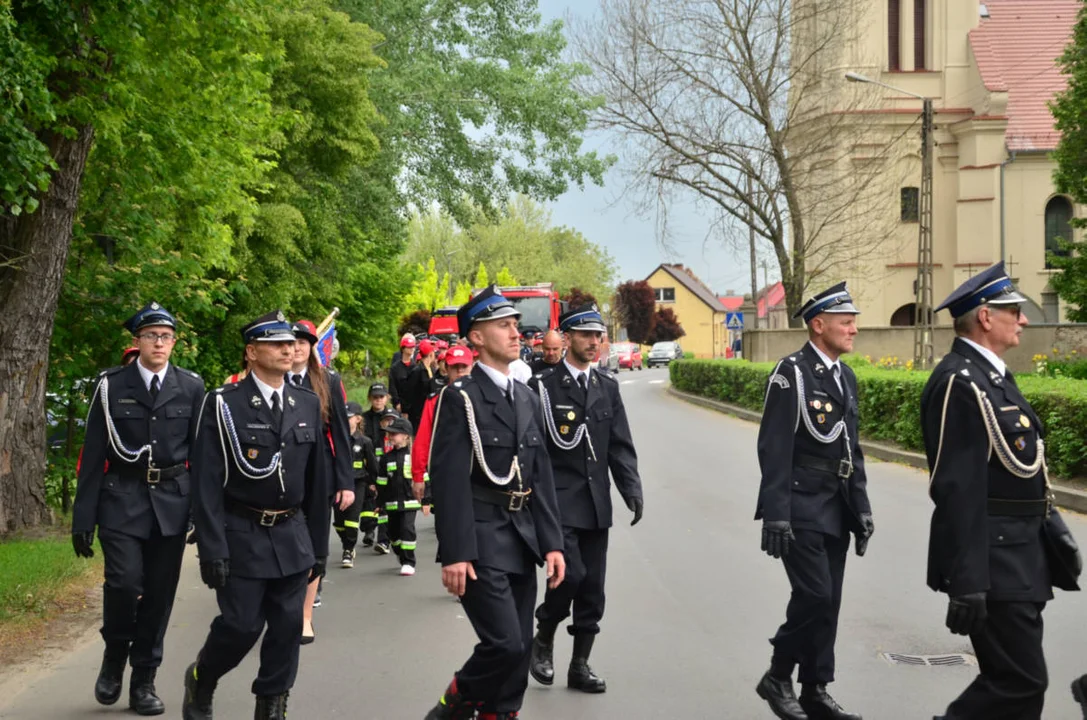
{"x":324,"y":344}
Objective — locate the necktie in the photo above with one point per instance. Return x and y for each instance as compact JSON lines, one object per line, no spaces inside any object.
{"x":277,"y":411}
{"x":583,"y":382}
{"x":154,"y":387}
{"x":297,"y":380}
{"x":838,"y":378}
{"x":509,"y":394}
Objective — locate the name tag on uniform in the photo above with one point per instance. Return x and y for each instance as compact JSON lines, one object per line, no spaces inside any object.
{"x":564,"y":407}
{"x":257,"y":426}
{"x":126,"y":401}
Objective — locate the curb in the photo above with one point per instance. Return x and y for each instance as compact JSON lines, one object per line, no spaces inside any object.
{"x":1067,"y":498}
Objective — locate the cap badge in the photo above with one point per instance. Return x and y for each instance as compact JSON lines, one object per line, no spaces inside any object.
{"x":279,"y":316}
{"x":155,"y":306}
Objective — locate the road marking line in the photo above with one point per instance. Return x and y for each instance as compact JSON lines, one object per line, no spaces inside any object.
{"x":626,"y":382}
{"x":655,"y":382}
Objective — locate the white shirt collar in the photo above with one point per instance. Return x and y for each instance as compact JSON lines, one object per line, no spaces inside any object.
{"x":989,"y":355}
{"x":147,"y":374}
{"x":574,"y":372}
{"x":497,"y":376}
{"x":830,"y":365}
{"x":267,"y":391}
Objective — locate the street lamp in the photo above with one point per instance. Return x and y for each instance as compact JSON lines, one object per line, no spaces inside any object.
{"x":449,"y":270}
{"x":923,"y":314}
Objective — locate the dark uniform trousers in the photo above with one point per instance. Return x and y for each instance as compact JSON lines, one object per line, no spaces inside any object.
{"x":348,"y":522}
{"x":975,"y":547}
{"x":141,"y":524}
{"x":504,"y":546}
{"x":403,"y":535}
{"x":269,"y":565}
{"x":586,"y":553}
{"x":802,"y":483}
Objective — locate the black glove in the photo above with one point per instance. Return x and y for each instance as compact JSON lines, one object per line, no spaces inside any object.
{"x":215,"y":573}
{"x":868,"y":528}
{"x":318,"y":570}
{"x":776,"y":536}
{"x":83,"y":542}
{"x":635,"y":505}
{"x":1070,"y":542}
{"x":966,"y":613}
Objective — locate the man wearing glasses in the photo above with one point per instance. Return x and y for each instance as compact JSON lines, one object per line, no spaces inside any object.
{"x":997,"y":546}
{"x":134,"y":487}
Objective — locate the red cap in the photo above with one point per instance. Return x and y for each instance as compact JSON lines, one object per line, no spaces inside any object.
{"x":408,"y":340}
{"x":458,"y":355}
{"x":443,"y":344}
{"x":426,"y":347}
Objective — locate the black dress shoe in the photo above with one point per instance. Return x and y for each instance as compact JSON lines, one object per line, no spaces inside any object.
{"x":1079,"y":692}
{"x":198,"y":696}
{"x":542,"y":665}
{"x":107,"y":688}
{"x":580,"y":676}
{"x":141,"y":693}
{"x":781,"y":697}
{"x":271,"y":707}
{"x":819,"y":705}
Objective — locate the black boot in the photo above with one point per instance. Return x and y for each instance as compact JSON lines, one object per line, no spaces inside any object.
{"x":271,"y":707}
{"x":141,"y":693}
{"x":1079,"y":692}
{"x":452,"y":706}
{"x":542,"y":666}
{"x":819,"y":705}
{"x":781,"y":697}
{"x":107,"y":688}
{"x":580,"y":676}
{"x":198,"y":695}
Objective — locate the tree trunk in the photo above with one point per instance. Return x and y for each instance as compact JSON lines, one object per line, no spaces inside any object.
{"x":35,"y":249}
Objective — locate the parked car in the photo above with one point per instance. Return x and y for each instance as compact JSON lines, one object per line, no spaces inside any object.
{"x":630,"y":355}
{"x":663,"y":353}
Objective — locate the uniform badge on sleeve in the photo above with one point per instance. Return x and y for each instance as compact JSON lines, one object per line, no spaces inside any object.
{"x":780,"y":381}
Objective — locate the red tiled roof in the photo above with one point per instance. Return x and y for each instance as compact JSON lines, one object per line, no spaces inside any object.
{"x":731,"y":302}
{"x":1016,"y":49}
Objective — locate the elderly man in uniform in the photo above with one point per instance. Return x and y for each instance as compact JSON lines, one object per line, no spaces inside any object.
{"x":134,"y":486}
{"x":588,"y":434}
{"x":497,"y":513}
{"x":812,"y":496}
{"x":997,"y":546}
{"x":262,"y":513}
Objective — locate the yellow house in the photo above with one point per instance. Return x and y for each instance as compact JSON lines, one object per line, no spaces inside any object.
{"x":696,"y":307}
{"x":990,"y":69}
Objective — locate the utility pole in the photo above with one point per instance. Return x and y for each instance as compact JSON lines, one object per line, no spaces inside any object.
{"x":449,"y":271}
{"x":923,"y":312}
{"x":754,"y":274}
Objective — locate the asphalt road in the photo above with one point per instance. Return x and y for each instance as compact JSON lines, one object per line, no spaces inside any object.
{"x":692,"y":603}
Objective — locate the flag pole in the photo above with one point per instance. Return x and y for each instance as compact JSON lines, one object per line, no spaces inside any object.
{"x":327,"y":321}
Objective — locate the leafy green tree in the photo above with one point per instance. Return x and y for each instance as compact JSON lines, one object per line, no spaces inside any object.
{"x":505,"y":278}
{"x":478,"y":101}
{"x":1070,"y":111}
{"x":462,"y":294}
{"x":482,"y":278}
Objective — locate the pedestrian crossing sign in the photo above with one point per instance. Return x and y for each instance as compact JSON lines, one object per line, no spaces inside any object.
{"x":734,"y":320}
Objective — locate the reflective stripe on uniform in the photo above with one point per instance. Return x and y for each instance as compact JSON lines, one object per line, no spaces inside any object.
{"x":348,"y":523}
{"x":382,"y":481}
{"x":357,"y":465}
{"x":412,"y":505}
{"x":407,"y":545}
{"x":392,"y":505}
{"x":397,"y":543}
{"x":368,"y":514}
{"x":382,"y":519}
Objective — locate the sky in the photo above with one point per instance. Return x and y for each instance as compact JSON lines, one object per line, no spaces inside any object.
{"x":611,"y":220}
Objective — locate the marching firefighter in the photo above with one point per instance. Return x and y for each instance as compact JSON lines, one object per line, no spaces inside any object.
{"x":134,"y":487}
{"x":497,"y":513}
{"x":588,"y":435}
{"x":813,"y":494}
{"x":261,"y":508}
{"x":395,"y":495}
{"x":400,"y":373}
{"x":362,"y":515}
{"x":997,"y":546}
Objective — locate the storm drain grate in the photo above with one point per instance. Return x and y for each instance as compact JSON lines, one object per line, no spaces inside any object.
{"x":930,"y":660}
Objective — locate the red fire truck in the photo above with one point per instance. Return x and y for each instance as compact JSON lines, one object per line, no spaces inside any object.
{"x":539,"y":305}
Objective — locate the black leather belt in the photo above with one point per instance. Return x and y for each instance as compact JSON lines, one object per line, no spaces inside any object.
{"x":264,"y":518}
{"x":154,"y":475}
{"x":841,"y":468}
{"x":1018,"y":508}
{"x":513,"y":501}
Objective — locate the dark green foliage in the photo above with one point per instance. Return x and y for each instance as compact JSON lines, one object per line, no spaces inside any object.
{"x":890,"y":404}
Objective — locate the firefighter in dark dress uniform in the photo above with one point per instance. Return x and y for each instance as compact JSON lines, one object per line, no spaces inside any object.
{"x":813,"y":495}
{"x":497,"y":513}
{"x":997,"y":546}
{"x":261,"y":508}
{"x":134,"y":487}
{"x":588,"y":435}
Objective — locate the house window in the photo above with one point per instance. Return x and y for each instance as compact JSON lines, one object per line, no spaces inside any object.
{"x":918,"y":34}
{"x":910,"y":202}
{"x":665,"y":294}
{"x":894,"y":62}
{"x":1058,"y":225}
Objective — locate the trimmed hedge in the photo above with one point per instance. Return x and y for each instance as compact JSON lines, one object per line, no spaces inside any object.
{"x":890,"y":403}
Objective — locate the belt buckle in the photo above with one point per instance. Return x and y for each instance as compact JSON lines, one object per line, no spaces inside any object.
{"x":267,"y":519}
{"x":517,"y":501}
{"x":845,"y":468}
{"x":153,"y":475}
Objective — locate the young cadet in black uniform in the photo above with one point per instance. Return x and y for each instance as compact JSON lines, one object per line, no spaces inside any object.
{"x":134,"y":486}
{"x":588,"y":434}
{"x":812,"y":496}
{"x":261,"y":509}
{"x":497,"y":513}
{"x":395,"y":494}
{"x":997,"y":546}
{"x":364,"y":465}
{"x":371,"y":517}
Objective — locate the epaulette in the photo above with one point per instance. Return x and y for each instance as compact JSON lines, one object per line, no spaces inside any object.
{"x":112,"y":371}
{"x":303,"y":389}
{"x":607,"y":374}
{"x":462,"y":382}
{"x":545,"y":373}
{"x":228,"y":387}
{"x":189,"y":373}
